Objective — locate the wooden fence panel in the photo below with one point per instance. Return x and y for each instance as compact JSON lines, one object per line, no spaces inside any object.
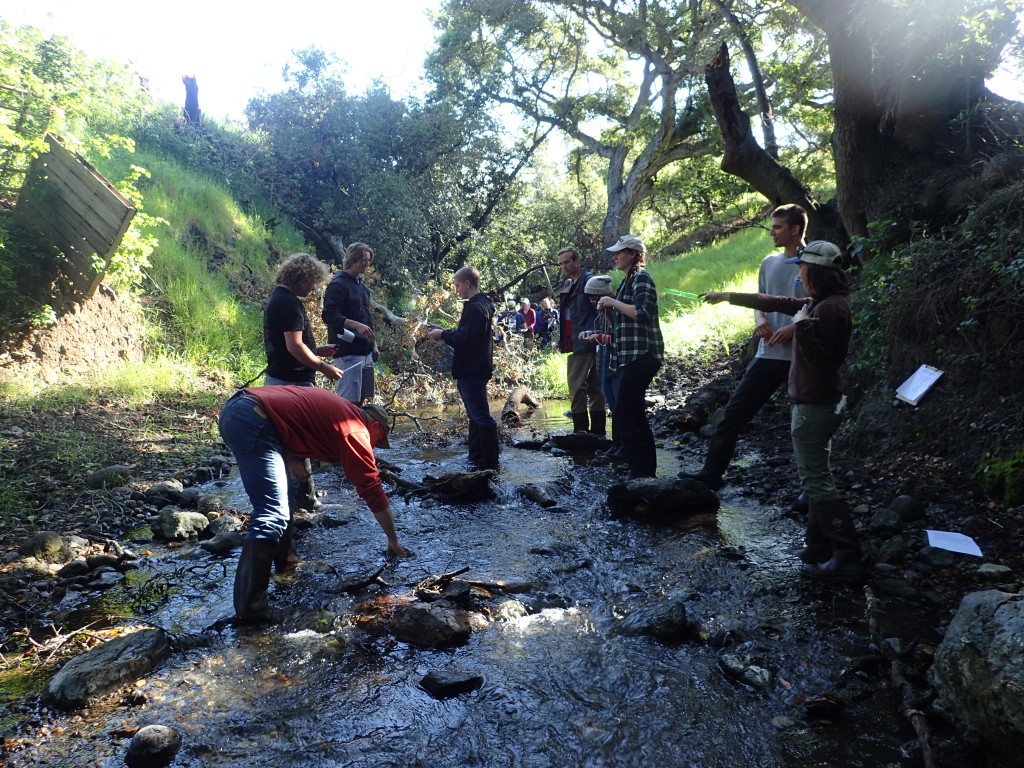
{"x":77,"y":212}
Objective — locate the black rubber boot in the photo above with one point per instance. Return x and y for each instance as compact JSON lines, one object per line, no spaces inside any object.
{"x":640,"y":453}
{"x":818,"y":549}
{"x":302,"y":494}
{"x":252,"y":577}
{"x":720,"y":451}
{"x":489,"y":448}
{"x":836,"y":527}
{"x":286,"y":559}
{"x":475,"y":455}
{"x":802,"y":503}
{"x":580,"y":422}
{"x":598,"y":421}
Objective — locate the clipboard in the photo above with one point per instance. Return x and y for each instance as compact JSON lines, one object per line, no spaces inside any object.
{"x":913,"y":389}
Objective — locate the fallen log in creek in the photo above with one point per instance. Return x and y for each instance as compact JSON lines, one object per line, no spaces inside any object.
{"x":450,"y":488}
{"x":913,"y":700}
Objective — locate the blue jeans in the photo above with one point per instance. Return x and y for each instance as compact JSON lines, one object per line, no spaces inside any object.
{"x":474,"y":397}
{"x":256,"y":446}
{"x":357,"y":384}
{"x":812,"y":427}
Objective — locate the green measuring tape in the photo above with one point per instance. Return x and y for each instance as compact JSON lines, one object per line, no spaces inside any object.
{"x":684,"y":294}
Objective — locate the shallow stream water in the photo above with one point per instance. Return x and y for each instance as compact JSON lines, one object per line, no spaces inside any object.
{"x":561,"y":686}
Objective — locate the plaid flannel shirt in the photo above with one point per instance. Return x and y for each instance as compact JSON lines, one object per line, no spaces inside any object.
{"x":635,"y":338}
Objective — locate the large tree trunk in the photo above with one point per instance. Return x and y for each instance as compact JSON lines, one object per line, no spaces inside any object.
{"x":745,"y":158}
{"x":191,"y":111}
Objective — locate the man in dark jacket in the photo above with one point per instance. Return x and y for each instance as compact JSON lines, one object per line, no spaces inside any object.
{"x":349,"y":323}
{"x":577,"y":313}
{"x":472,"y":365}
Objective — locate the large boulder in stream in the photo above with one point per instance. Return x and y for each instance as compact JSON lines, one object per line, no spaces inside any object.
{"x":434,"y":625}
{"x":979,"y":672}
{"x":662,"y":500}
{"x":97,"y":672}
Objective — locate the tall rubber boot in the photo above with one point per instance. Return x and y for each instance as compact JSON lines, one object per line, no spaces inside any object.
{"x":720,"y":451}
{"x":580,"y":422}
{"x":817,"y":549}
{"x":836,"y":526}
{"x":489,"y":448}
{"x":640,"y":453}
{"x":473,"y":440}
{"x":598,"y":421}
{"x":286,"y":559}
{"x":252,"y":577}
{"x":304,"y":493}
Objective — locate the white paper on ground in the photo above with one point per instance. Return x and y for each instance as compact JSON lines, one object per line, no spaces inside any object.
{"x":954,"y":542}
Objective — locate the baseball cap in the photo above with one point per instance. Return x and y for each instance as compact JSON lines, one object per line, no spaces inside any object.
{"x":627,"y":241}
{"x":375,"y":415}
{"x":819,"y":252}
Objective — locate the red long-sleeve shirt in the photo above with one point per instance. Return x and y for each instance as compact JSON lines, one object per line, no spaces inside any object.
{"x":317,"y":424}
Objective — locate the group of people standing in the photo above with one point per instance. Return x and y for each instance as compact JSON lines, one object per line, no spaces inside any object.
{"x":614,"y":348}
{"x":276,"y":430}
{"x":528,"y":321}
{"x":804,"y":323}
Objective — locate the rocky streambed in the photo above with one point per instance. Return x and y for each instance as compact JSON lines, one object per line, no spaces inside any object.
{"x":537,"y":626}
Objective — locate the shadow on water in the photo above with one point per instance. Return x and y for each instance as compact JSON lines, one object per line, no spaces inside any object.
{"x":562,"y":687}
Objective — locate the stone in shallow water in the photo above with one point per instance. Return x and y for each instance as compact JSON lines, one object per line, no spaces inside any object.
{"x":153,"y":747}
{"x":446,"y":684}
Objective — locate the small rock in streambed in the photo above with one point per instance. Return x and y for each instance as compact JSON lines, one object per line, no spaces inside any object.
{"x":444,"y":684}
{"x":153,"y":746}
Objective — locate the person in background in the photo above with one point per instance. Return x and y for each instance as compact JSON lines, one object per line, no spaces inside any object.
{"x":529,"y":317}
{"x":639,"y":352}
{"x":601,"y":335}
{"x":473,"y":364}
{"x":292,"y":352}
{"x":269,"y":428}
{"x":512,"y":320}
{"x":769,"y":369}
{"x":823,"y":325}
{"x":349,"y":322}
{"x":547,"y":321}
{"x":576,"y":313}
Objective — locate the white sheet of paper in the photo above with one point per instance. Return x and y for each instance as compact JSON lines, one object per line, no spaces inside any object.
{"x":913,"y":389}
{"x":954,"y":542}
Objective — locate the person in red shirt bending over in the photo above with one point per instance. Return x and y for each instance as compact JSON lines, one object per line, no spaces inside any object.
{"x":269,"y":428}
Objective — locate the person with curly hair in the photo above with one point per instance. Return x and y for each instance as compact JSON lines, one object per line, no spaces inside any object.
{"x":293,"y":356}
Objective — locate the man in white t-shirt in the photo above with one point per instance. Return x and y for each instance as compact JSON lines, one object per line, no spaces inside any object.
{"x":769,"y":369}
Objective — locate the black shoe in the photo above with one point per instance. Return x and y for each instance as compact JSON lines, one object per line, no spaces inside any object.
{"x":615,"y":453}
{"x":812,"y":555}
{"x":843,"y":566}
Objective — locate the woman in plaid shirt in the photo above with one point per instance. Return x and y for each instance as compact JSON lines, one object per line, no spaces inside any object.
{"x":639,"y":352}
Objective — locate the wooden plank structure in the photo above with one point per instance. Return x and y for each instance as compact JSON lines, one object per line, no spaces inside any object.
{"x":75,"y":211}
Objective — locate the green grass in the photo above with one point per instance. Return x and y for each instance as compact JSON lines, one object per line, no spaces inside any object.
{"x":693,"y":328}
{"x":126,"y":383}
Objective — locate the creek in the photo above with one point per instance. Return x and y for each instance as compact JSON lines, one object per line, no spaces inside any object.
{"x":561,"y":686}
